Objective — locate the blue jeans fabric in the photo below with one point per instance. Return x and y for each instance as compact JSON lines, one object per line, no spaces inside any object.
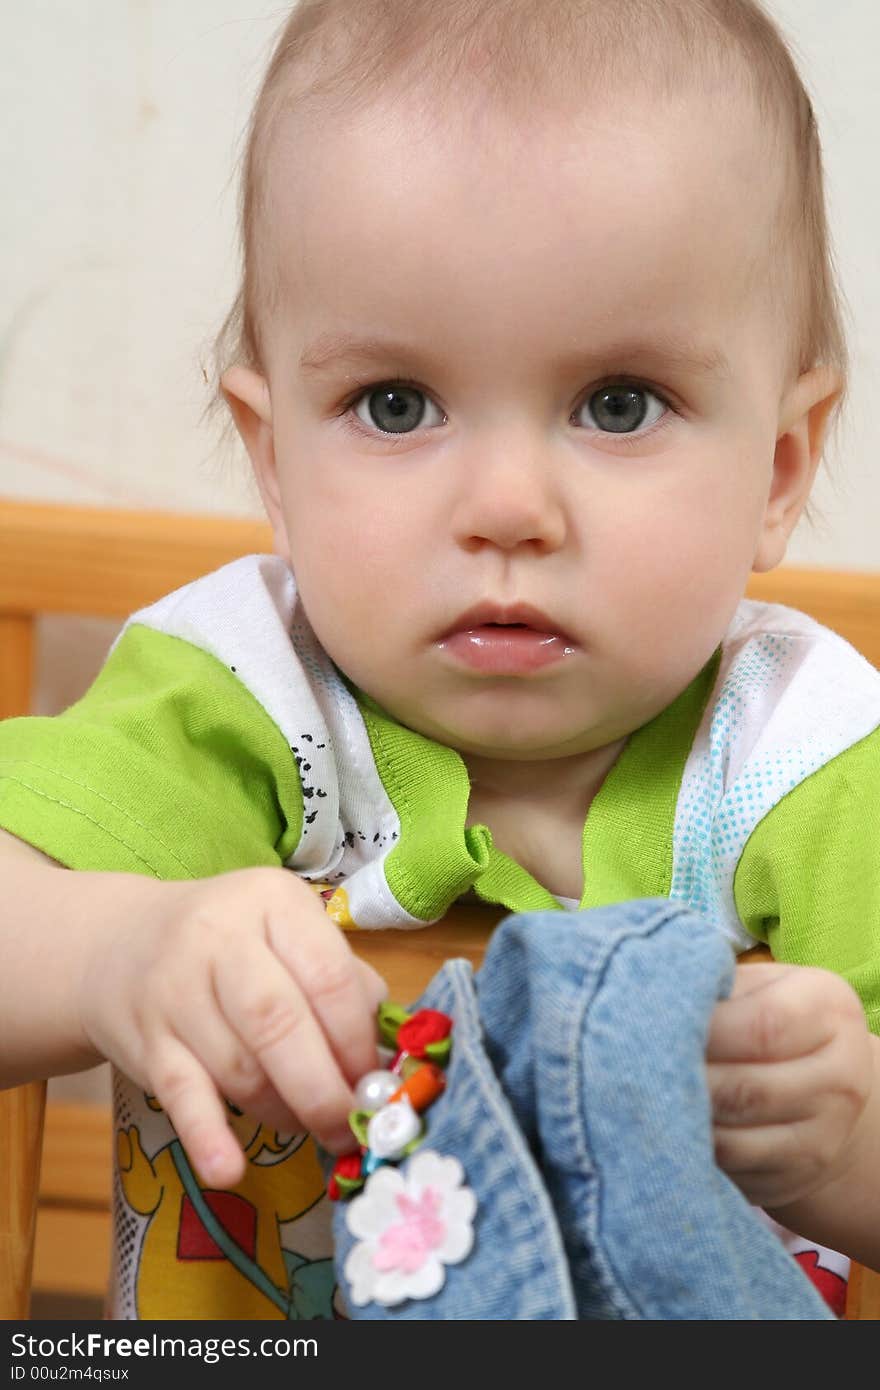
{"x":576,"y":1102}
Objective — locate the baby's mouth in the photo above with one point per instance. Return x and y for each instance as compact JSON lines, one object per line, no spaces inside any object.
{"x":514,"y":640}
{"x":505,"y":617}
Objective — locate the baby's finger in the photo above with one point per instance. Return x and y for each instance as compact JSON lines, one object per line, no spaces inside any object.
{"x":268,"y":1011}
{"x":770,"y":1163}
{"x":235,"y":1071}
{"x":190,"y":1099}
{"x":763,"y":1093}
{"x":330,"y":976}
{"x":374,"y":986}
{"x":766,"y":1150}
{"x":777,"y":1019}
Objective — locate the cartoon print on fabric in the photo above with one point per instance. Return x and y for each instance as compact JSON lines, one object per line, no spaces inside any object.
{"x":827,"y":1269}
{"x":335,"y":900}
{"x":213,"y":1254}
{"x":831,"y":1285}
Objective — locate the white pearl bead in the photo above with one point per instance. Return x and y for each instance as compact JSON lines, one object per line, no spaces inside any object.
{"x":374,"y":1089}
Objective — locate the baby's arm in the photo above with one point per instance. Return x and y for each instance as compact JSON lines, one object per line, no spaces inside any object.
{"x":50,"y":921}
{"x":794,"y":1077}
{"x":236,"y":987}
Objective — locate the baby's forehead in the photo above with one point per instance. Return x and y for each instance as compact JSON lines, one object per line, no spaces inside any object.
{"x":544,"y":238}
{"x":484,"y":138}
{"x":461,"y":165}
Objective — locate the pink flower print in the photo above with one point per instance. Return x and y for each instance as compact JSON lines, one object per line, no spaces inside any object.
{"x":407,"y":1245}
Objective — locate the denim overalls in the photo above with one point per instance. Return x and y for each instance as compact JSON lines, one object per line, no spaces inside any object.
{"x":577,"y":1105}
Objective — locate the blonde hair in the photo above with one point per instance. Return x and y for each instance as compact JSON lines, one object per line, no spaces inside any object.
{"x":336,"y":54}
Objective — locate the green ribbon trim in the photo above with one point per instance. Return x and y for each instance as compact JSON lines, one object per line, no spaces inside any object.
{"x":390,"y":1018}
{"x":348,"y":1185}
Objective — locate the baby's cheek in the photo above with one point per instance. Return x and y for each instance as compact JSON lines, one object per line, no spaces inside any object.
{"x":350,"y":598}
{"x":684,"y":589}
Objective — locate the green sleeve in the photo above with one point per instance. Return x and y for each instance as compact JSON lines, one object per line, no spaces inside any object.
{"x":168,"y":766}
{"x":808,"y":882}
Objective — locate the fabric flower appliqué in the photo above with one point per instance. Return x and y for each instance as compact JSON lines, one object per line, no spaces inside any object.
{"x":410,"y":1223}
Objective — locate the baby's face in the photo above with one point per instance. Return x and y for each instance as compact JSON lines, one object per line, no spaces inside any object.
{"x":523,"y":368}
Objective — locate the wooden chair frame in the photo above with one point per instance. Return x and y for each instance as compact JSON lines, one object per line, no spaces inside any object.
{"x":107,"y":563}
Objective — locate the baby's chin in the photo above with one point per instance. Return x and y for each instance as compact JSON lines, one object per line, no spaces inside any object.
{"x":511,"y":734}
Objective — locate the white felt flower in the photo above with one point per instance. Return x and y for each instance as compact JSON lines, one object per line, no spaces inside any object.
{"x":411,"y":1222}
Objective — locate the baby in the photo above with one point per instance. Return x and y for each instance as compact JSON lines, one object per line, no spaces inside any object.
{"x":534,"y":358}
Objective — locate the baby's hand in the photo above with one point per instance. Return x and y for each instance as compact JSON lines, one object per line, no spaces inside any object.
{"x":235,"y":988}
{"x":790,"y":1071}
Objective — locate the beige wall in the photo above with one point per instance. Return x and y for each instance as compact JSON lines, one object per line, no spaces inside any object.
{"x":122,"y":123}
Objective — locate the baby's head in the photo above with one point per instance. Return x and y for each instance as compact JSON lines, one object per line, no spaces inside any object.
{"x":537,"y":314}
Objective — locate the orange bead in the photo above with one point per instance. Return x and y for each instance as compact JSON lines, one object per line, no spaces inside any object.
{"x":422,"y":1087}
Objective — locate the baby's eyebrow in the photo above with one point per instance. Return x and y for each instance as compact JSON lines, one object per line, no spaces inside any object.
{"x":330,"y":349}
{"x":660,"y":350}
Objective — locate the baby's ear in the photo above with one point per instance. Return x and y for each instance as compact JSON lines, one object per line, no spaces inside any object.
{"x":803,"y":420}
{"x":247,"y":395}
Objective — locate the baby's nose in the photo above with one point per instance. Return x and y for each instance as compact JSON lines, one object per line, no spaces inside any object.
{"x":508,"y":501}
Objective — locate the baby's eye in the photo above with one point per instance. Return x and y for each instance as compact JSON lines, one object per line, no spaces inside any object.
{"x":621,"y":408}
{"x":395,"y":408}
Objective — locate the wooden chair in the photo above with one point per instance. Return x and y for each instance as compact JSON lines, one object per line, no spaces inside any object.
{"x":96,"y":562}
